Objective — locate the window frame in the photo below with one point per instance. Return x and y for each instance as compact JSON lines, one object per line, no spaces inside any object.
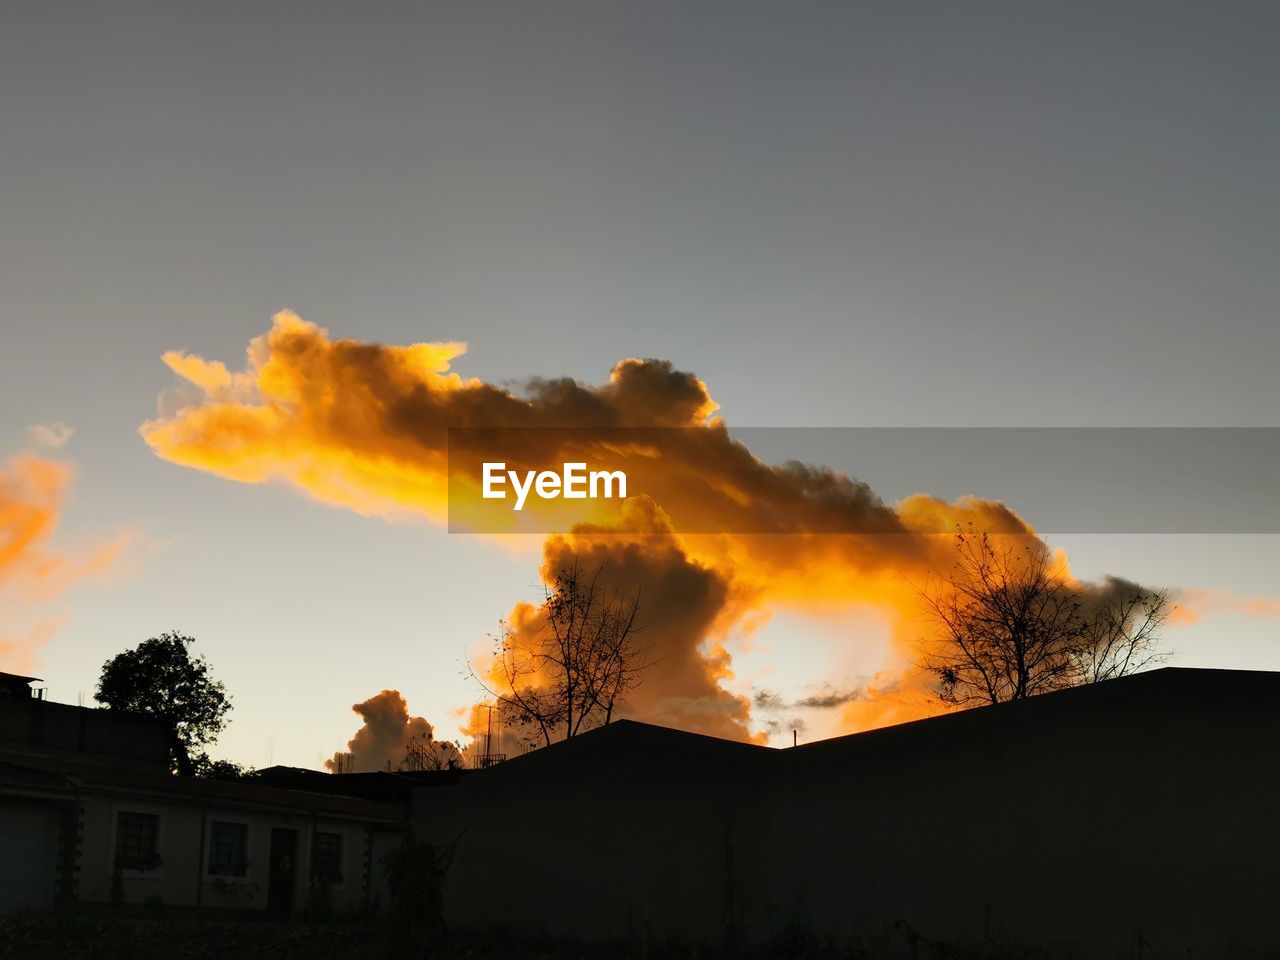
{"x":337,"y":877}
{"x":233,"y":871}
{"x":131,"y":869}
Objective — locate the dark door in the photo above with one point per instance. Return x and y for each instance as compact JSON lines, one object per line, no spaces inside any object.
{"x":284,"y":865}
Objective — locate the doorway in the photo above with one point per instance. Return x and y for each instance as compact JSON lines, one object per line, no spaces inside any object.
{"x":283,"y":871}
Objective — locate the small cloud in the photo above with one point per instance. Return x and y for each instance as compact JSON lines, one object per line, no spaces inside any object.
{"x":768,"y":700}
{"x":1196,"y":605}
{"x":828,"y":699}
{"x":19,"y":653}
{"x":50,"y":436}
{"x":795,"y":725}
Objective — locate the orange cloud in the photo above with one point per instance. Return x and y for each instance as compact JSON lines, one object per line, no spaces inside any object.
{"x":386,"y":734}
{"x":718,"y":536}
{"x":687,"y":609}
{"x":18,"y":652}
{"x":1196,"y":605}
{"x":34,"y":492}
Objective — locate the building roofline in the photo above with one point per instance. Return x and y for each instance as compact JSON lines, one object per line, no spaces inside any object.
{"x":617,"y":733}
{"x":1144,"y":683}
{"x":19,"y":677}
{"x":1114,"y":690}
{"x":77,"y":776}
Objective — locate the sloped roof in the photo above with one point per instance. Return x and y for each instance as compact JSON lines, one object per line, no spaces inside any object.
{"x":59,"y":772}
{"x":379,"y":785}
{"x":17,"y":678}
{"x":1168,"y":689}
{"x":1139,"y":698}
{"x":627,"y":742}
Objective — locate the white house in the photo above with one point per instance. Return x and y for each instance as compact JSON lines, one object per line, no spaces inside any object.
{"x":110,"y":824}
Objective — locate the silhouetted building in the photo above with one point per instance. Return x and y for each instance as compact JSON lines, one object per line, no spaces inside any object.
{"x":1137,"y":811}
{"x":90,"y":813}
{"x":31,"y":724}
{"x":16,"y":685}
{"x":1133,"y":815}
{"x":382,"y":786}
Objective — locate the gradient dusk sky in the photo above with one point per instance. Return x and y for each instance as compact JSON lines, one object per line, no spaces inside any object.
{"x":835,"y":214}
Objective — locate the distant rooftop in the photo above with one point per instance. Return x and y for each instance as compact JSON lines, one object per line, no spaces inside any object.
{"x":33,"y":725}
{"x":16,"y":684}
{"x":63,"y":774}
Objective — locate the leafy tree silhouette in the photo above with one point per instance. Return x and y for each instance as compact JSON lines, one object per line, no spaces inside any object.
{"x":160,"y":678}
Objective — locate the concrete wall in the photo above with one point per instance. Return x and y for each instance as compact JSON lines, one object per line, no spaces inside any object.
{"x":606,"y":845}
{"x":43,"y":728}
{"x":1148,"y":808}
{"x":1087,"y":822}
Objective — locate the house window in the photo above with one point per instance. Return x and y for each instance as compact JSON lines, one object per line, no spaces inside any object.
{"x":326,"y":857}
{"x":227,"y":849}
{"x":136,"y":835}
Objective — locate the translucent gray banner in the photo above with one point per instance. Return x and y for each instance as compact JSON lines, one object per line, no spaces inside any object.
{"x":848,"y":480}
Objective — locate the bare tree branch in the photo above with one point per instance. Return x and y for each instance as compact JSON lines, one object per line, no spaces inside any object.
{"x":1013,"y":624}
{"x":572,"y":673}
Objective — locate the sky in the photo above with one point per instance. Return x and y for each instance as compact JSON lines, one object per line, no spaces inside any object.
{"x":833,"y":214}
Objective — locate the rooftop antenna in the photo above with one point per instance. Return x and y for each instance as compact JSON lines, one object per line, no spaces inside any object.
{"x":795,"y":737}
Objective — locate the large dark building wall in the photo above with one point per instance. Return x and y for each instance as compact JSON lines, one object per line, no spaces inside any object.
{"x":44,"y":728}
{"x":1143,"y":808}
{"x":618,"y":833}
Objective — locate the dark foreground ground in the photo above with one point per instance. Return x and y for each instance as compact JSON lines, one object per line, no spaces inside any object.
{"x":64,"y":936}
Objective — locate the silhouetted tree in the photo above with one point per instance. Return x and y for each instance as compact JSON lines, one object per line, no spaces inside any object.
{"x":415,"y":876}
{"x":571,"y":673}
{"x":206,"y":768}
{"x":160,"y":678}
{"x":1013,"y":623}
{"x":428,"y":753}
